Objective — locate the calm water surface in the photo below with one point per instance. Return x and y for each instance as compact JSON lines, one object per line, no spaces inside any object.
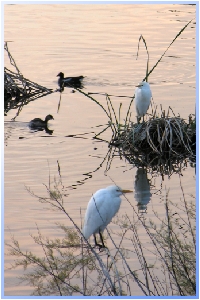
{"x":99,"y":42}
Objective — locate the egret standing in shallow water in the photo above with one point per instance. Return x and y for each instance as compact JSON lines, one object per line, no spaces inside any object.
{"x":142,"y":99}
{"x":101,"y":208}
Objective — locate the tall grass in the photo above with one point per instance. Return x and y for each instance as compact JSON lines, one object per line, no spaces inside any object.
{"x":71,"y":266}
{"x":114,"y":122}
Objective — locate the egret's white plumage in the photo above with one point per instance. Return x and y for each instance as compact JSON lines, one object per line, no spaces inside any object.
{"x":142,"y":98}
{"x":102,"y":207}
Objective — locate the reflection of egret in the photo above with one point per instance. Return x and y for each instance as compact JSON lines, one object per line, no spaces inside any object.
{"x":142,"y":99}
{"x":142,"y":189}
{"x":101,"y":208}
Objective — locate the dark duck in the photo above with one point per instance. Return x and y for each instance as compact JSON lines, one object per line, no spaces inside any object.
{"x":39,"y":124}
{"x":69,"y":81}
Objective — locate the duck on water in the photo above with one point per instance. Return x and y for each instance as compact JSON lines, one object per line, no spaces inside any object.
{"x":70,"y":81}
{"x":39,"y":124}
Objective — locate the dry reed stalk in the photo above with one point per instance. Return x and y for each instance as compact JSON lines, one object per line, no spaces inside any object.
{"x":18,"y":90}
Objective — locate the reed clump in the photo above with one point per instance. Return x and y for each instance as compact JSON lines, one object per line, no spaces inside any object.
{"x":164,"y":142}
{"x":160,"y":141}
{"x":162,"y":137}
{"x":18,"y":90}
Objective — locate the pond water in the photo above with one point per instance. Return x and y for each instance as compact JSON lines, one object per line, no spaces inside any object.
{"x":98,"y":41}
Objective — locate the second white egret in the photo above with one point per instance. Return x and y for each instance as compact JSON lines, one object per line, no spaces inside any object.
{"x":102,"y":207}
{"x":142,"y":100}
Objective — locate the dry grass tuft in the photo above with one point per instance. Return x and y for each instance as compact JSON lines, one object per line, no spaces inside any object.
{"x":160,"y":141}
{"x":19,"y":91}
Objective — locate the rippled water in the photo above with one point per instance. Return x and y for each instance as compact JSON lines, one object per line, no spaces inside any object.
{"x":99,"y":42}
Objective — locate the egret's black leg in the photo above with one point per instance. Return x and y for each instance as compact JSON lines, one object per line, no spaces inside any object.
{"x":96,"y":244}
{"x":103,"y":245}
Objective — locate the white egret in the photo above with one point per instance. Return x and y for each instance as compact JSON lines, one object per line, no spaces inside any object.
{"x":142,"y":99}
{"x":102,"y":207}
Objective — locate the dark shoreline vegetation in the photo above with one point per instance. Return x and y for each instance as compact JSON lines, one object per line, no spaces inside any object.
{"x":163,"y":144}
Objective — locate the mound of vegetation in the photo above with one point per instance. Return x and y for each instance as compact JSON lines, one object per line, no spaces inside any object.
{"x":159,"y":137}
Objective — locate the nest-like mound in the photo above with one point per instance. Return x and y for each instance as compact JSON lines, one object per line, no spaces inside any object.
{"x":164,"y":142}
{"x":19,"y":91}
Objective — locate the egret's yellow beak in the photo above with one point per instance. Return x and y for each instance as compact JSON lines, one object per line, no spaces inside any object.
{"x":126,"y":191}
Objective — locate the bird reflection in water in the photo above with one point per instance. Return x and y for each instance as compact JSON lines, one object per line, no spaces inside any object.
{"x":142,"y":190}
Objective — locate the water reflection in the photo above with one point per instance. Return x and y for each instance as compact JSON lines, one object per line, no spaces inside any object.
{"x":142,"y":189}
{"x":45,"y":128}
{"x":77,"y":84}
